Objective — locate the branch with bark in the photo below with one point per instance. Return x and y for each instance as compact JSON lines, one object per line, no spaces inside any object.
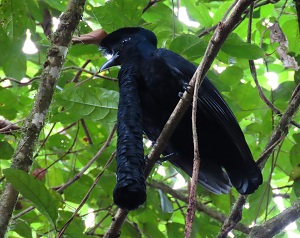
{"x":22,"y":158}
{"x":277,"y":223}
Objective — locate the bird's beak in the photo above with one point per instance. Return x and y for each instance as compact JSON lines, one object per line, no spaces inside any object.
{"x":111,"y":62}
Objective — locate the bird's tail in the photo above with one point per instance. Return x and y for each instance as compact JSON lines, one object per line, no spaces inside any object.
{"x":130,"y":190}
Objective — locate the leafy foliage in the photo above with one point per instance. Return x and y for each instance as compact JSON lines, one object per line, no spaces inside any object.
{"x":83,"y":114}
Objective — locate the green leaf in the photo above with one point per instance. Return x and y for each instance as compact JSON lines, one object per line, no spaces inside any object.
{"x":173,"y":229}
{"x":35,"y":11}
{"x":295,"y":173}
{"x":14,"y":19}
{"x":12,"y":57}
{"x":116,"y":14}
{"x":188,"y":46}
{"x":23,"y":229}
{"x":76,"y":227}
{"x":157,"y":16}
{"x":220,"y":12}
{"x":91,"y":103}
{"x":296,"y":187}
{"x":58,"y":5}
{"x":234,"y":46}
{"x":291,"y":30}
{"x":6,"y":150}
{"x":151,"y":229}
{"x":232,"y":75}
{"x":295,"y":155}
{"x":35,"y":191}
{"x":128,"y":230}
{"x":198,"y":12}
{"x":165,"y":203}
{"x":283,"y":91}
{"x":15,"y":60}
{"x":259,"y":200}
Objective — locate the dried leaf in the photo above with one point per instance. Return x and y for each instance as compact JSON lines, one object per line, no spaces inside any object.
{"x":94,"y":37}
{"x":277,"y":35}
{"x":6,"y":127}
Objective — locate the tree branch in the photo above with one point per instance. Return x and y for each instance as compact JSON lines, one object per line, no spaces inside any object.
{"x":276,"y":224}
{"x":36,"y":119}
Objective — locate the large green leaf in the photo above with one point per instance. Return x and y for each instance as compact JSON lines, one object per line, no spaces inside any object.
{"x":234,"y":46}
{"x":259,"y":201}
{"x":45,"y":201}
{"x":188,"y":46}
{"x":116,"y":14}
{"x":173,"y":229}
{"x":283,"y":91}
{"x":14,"y":19}
{"x":291,"y":30}
{"x":76,"y":227}
{"x":232,"y":75}
{"x":198,"y":12}
{"x":6,"y":150}
{"x":296,"y":187}
{"x":12,"y":57}
{"x":58,"y":5}
{"x":91,"y":103}
{"x":23,"y":229}
{"x":15,"y":59}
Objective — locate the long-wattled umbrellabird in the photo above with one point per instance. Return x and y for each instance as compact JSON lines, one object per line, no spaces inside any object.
{"x":156,"y":77}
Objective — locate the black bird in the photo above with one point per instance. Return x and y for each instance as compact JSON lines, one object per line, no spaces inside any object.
{"x":160,"y":76}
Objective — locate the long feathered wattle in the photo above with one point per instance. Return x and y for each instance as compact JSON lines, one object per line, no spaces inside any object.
{"x":130,"y":190}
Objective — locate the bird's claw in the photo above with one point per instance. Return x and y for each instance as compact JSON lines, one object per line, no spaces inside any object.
{"x":187,"y":87}
{"x":180,"y":94}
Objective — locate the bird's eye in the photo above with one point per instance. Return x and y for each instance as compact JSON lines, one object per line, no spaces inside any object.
{"x":124,"y":42}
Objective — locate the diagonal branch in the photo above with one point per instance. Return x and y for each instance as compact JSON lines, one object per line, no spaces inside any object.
{"x":34,"y":123}
{"x":276,"y":224}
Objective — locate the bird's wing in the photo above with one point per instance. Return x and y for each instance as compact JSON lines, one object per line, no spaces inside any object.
{"x":241,"y":168}
{"x":216,"y":108}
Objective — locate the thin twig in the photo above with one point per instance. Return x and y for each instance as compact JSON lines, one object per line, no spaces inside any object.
{"x":86,"y":196}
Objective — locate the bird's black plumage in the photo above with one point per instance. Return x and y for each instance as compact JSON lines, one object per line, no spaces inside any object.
{"x":161,"y":74}
{"x":130,"y":190}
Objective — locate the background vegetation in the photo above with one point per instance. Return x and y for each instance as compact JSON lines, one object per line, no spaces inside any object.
{"x":76,"y":145}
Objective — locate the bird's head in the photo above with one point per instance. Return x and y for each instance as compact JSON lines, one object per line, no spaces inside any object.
{"x":119,"y":43}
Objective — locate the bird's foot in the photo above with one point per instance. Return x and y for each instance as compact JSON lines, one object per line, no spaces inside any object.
{"x":188,"y":88}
